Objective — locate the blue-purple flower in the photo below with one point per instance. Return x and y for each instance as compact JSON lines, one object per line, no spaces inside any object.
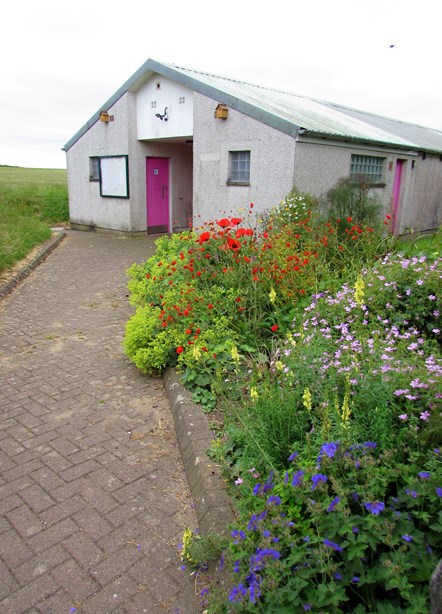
{"x":407,"y":538}
{"x":375,"y":507}
{"x":333,"y":504}
{"x":317,"y":479}
{"x":332,"y":545}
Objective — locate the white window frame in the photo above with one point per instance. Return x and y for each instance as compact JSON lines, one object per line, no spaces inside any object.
{"x":239,"y":167}
{"x":94,"y":168}
{"x":372,"y":168}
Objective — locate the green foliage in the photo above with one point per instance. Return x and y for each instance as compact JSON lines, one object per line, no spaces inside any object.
{"x":351,"y":198}
{"x":344,"y":529}
{"x":360,"y":364}
{"x":233,"y":289}
{"x":27,"y":210}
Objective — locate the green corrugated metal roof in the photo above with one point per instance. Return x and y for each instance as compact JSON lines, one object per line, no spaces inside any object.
{"x":285,"y":111}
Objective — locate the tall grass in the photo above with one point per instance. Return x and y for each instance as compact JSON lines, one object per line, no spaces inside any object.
{"x":31,"y":200}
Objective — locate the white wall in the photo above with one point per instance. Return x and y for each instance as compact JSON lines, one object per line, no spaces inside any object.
{"x":272,"y":162}
{"x":162,"y":93}
{"x":86,"y":206}
{"x":319,"y":165}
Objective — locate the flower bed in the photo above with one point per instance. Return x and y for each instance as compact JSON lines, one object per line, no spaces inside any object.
{"x":324,"y":355}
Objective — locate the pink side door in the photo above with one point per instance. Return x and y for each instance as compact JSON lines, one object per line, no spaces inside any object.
{"x":157,"y":191}
{"x":397,"y":185}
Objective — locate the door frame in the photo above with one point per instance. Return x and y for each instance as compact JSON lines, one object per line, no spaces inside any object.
{"x":163,"y":228}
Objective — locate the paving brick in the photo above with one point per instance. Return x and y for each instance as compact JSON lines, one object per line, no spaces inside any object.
{"x":40,"y":564}
{"x":21,"y":601}
{"x":112,"y":597}
{"x":25,"y":521}
{"x":77,"y":583}
{"x":83,"y":549}
{"x":37,"y":498}
{"x":53,"y":535}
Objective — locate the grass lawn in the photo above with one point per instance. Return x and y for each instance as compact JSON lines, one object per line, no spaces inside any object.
{"x":31,"y":200}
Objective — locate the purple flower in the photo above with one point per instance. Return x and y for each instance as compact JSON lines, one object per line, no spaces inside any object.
{"x":412,"y":493}
{"x":407,"y":538}
{"x":401,"y":391}
{"x":236,"y":565}
{"x":403,"y":417}
{"x":332,"y":545}
{"x":369,"y":444}
{"x":237,"y":593}
{"x":293,"y":456}
{"x":297,"y":478}
{"x":333,"y":504}
{"x":330,"y":449}
{"x":424,"y":415}
{"x":375,"y":507}
{"x":317,"y":479}
{"x":438,"y":491}
{"x":256,"y":489}
{"x":424,"y":475}
{"x":274,"y":499}
{"x":337,"y":575}
{"x":306,"y":607}
{"x":355,"y":529}
{"x":355,"y":579}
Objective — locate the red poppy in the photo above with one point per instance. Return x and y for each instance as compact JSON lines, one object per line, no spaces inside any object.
{"x":180,"y":349}
{"x":349,"y":219}
{"x":224,"y":223}
{"x":205,"y":236}
{"x":274,"y":328}
{"x":234,"y":221}
{"x":210,"y":306}
{"x":388,"y":217}
{"x":233,"y":244}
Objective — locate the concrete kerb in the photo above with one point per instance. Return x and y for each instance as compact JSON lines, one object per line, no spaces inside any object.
{"x":212,"y":505}
{"x":47,"y":248}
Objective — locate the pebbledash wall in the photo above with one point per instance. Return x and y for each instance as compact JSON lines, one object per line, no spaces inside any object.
{"x":318,"y":164}
{"x":272,"y":155}
{"x":125,"y":135}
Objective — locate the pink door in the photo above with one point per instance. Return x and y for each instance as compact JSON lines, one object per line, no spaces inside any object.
{"x":157,"y":190}
{"x":397,"y":189}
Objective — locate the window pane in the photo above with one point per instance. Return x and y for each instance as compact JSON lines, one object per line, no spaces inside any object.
{"x":369,"y":166}
{"x":239,"y":166}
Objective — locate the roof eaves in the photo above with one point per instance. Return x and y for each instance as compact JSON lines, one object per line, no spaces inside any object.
{"x":363,"y":140}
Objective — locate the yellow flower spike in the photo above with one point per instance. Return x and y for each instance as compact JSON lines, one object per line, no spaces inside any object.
{"x":290,"y":339}
{"x":279,"y":366}
{"x":307,"y":399}
{"x":359,"y":290}
{"x":272,"y":295}
{"x":254,"y":394}
{"x":196,"y":352}
{"x":234,"y":354}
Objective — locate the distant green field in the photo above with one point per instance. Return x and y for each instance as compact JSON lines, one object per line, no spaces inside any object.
{"x":31,"y":201}
{"x":15,"y":175}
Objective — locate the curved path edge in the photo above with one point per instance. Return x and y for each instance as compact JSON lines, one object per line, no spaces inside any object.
{"x":47,"y":248}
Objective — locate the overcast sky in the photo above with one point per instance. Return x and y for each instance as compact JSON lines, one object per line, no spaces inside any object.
{"x":61,"y":61}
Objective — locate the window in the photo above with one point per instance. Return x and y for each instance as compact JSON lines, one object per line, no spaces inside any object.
{"x":94,"y":169}
{"x":239,"y":168}
{"x":369,"y":167}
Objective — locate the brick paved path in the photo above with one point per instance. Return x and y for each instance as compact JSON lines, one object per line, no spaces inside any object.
{"x":93,"y":497}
